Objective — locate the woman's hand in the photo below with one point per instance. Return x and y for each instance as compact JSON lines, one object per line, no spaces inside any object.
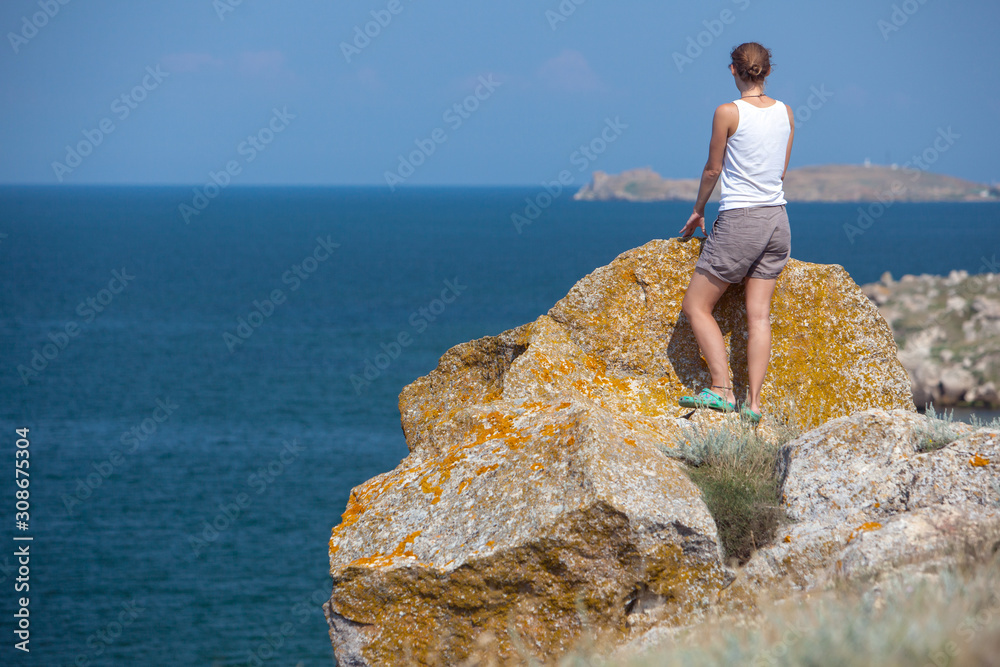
{"x":696,"y":221}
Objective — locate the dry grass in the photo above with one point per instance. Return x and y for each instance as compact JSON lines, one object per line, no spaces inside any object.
{"x":943,"y":619}
{"x":738,"y":474}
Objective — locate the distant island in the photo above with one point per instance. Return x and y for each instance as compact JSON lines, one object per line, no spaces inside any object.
{"x":825,"y":183}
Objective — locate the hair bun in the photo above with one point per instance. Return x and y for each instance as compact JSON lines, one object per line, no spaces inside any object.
{"x":752,"y":61}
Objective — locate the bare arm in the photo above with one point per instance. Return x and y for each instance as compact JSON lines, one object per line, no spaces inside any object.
{"x":791,"y":135}
{"x":724,"y":123}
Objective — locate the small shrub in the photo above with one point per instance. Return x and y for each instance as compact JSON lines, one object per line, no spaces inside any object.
{"x":938,"y":432}
{"x":977,"y":423}
{"x":737,"y":473}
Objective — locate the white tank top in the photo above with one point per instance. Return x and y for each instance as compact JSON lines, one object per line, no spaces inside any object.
{"x":755,"y":157}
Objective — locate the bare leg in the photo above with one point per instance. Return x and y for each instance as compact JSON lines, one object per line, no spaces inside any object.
{"x":758,"y":293}
{"x":702,"y":294}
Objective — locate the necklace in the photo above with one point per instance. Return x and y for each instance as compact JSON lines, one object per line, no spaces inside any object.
{"x":743,"y":97}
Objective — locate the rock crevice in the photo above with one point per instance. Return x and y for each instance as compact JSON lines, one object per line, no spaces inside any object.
{"x":863,"y":498}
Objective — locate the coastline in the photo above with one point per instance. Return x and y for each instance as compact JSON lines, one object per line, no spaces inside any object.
{"x":819,"y":184}
{"x":947,"y":330}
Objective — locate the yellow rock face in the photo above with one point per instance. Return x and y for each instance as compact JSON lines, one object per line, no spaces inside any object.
{"x":633,"y":351}
{"x":535,"y":499}
{"x":832,"y":353}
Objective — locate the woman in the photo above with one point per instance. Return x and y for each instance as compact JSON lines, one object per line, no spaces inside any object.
{"x":750,"y":241}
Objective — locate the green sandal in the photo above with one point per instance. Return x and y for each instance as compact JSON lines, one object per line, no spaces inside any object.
{"x":749,"y":415}
{"x":707,"y":399}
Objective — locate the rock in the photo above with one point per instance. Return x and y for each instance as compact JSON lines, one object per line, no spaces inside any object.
{"x":956,"y":304}
{"x":536,"y":494}
{"x":543,"y":508}
{"x":956,"y":278}
{"x":866,"y":502}
{"x":925,"y":376}
{"x":987,"y":309}
{"x":641,"y":184}
{"x":878,"y":293}
{"x":863,"y":499}
{"x":986,"y":395}
{"x":956,"y":383}
{"x":948,"y":331}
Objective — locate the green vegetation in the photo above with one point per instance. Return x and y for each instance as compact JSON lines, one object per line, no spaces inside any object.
{"x":737,"y":472}
{"x":977,"y":423}
{"x":940,"y":431}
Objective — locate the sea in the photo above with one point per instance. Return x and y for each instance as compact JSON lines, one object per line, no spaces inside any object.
{"x":186,"y":401}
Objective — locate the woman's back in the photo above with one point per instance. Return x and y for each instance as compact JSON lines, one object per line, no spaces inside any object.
{"x":750,"y":241}
{"x":755,"y":157}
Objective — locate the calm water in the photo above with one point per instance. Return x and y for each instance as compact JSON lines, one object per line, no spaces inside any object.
{"x":186,"y":469}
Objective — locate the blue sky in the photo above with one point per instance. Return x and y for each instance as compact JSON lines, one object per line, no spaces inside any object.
{"x":200,"y":77}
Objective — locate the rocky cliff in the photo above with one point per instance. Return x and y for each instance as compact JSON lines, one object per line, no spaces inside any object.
{"x":873,"y":490}
{"x":870,"y":499}
{"x":824,"y":183}
{"x":536,"y":501}
{"x":948,"y":332}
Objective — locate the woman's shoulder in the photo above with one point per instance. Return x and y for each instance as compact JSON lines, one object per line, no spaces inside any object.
{"x":727,"y":109}
{"x":727,"y":116}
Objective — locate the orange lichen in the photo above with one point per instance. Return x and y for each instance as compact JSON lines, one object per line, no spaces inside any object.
{"x":380,"y":559}
{"x":626,"y":370}
{"x":350,"y":516}
{"x":978,"y":461}
{"x":427,"y":487}
{"x":863,"y":528}
{"x":543,"y":370}
{"x":432,"y":474}
{"x":499,"y":424}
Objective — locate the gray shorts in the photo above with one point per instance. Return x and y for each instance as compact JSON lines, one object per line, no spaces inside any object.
{"x":752,"y":242}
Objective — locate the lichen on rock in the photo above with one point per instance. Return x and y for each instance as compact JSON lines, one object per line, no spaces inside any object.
{"x":863,"y":498}
{"x":536,"y":502}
